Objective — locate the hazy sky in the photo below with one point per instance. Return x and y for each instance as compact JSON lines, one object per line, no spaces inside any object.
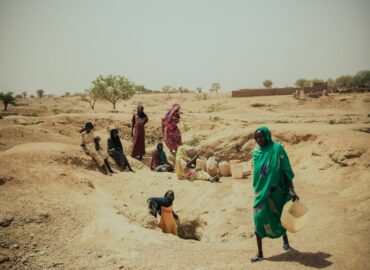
{"x":63,"y":45}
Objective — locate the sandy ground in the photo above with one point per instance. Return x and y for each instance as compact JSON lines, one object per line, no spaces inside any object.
{"x":58,"y":212}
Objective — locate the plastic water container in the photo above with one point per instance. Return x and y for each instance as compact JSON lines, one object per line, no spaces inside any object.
{"x":224,"y":168}
{"x":200,"y":164}
{"x":238,"y":170}
{"x":294,"y":216}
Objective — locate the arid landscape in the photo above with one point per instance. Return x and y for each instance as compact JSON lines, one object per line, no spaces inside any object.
{"x":59,"y":212}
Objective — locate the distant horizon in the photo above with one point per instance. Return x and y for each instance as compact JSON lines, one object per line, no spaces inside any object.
{"x":62,"y":46}
{"x":33,"y":92}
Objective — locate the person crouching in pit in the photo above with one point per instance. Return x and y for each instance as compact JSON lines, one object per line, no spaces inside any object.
{"x":163,"y":207}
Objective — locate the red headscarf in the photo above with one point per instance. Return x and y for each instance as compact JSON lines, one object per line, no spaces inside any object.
{"x":167,"y":118}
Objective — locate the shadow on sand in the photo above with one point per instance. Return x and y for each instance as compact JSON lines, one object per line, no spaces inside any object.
{"x":315,"y":260}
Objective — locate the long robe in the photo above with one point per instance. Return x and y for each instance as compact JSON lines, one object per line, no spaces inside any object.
{"x":115,"y":151}
{"x":271,"y":176}
{"x":170,"y":131}
{"x":167,"y":222}
{"x":138,"y":147}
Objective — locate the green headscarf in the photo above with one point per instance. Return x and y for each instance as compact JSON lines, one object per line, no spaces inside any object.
{"x":271,"y":167}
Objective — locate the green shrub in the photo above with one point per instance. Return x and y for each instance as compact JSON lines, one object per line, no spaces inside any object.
{"x":341,"y":121}
{"x":57,"y":111}
{"x":2,"y":114}
{"x":153,"y":137}
{"x":281,"y":121}
{"x":73,"y":111}
{"x":194,"y":141}
{"x":213,"y":108}
{"x":33,"y":114}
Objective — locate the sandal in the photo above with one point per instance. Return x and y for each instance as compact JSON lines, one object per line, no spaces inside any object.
{"x":256,"y":258}
{"x":213,"y":179}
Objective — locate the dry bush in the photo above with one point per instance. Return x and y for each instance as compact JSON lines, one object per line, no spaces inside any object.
{"x":258,"y":105}
{"x":214,"y":108}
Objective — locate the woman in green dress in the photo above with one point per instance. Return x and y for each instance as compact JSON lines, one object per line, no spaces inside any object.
{"x":273,"y":187}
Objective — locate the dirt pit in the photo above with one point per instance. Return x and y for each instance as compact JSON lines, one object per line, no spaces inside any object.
{"x":188,"y":230}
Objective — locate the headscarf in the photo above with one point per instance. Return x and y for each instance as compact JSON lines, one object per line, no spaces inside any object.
{"x":161,"y":153}
{"x":87,"y":124}
{"x":155,"y":203}
{"x":141,"y":113}
{"x":180,"y":154}
{"x":271,"y":167}
{"x":168,"y":116}
{"x":115,"y":141}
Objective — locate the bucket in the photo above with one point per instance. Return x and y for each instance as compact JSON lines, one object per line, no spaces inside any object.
{"x":200,"y":164}
{"x":224,"y":168}
{"x":238,"y":169}
{"x":294,"y":216}
{"x":233,"y":161}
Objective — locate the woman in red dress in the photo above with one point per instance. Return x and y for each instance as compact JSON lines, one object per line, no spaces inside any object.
{"x":139,"y":120}
{"x":170,"y":131}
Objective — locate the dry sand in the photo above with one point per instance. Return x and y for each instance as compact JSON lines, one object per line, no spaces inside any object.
{"x":64,"y":214}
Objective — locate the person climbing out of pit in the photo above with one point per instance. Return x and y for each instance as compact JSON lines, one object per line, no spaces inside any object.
{"x":163,"y":207}
{"x":92,"y":148}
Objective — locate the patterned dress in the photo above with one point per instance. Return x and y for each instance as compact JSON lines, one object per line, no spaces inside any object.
{"x":272,"y":175}
{"x":170,"y":131}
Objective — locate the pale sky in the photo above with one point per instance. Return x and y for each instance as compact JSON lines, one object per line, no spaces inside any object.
{"x":62,"y":46}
